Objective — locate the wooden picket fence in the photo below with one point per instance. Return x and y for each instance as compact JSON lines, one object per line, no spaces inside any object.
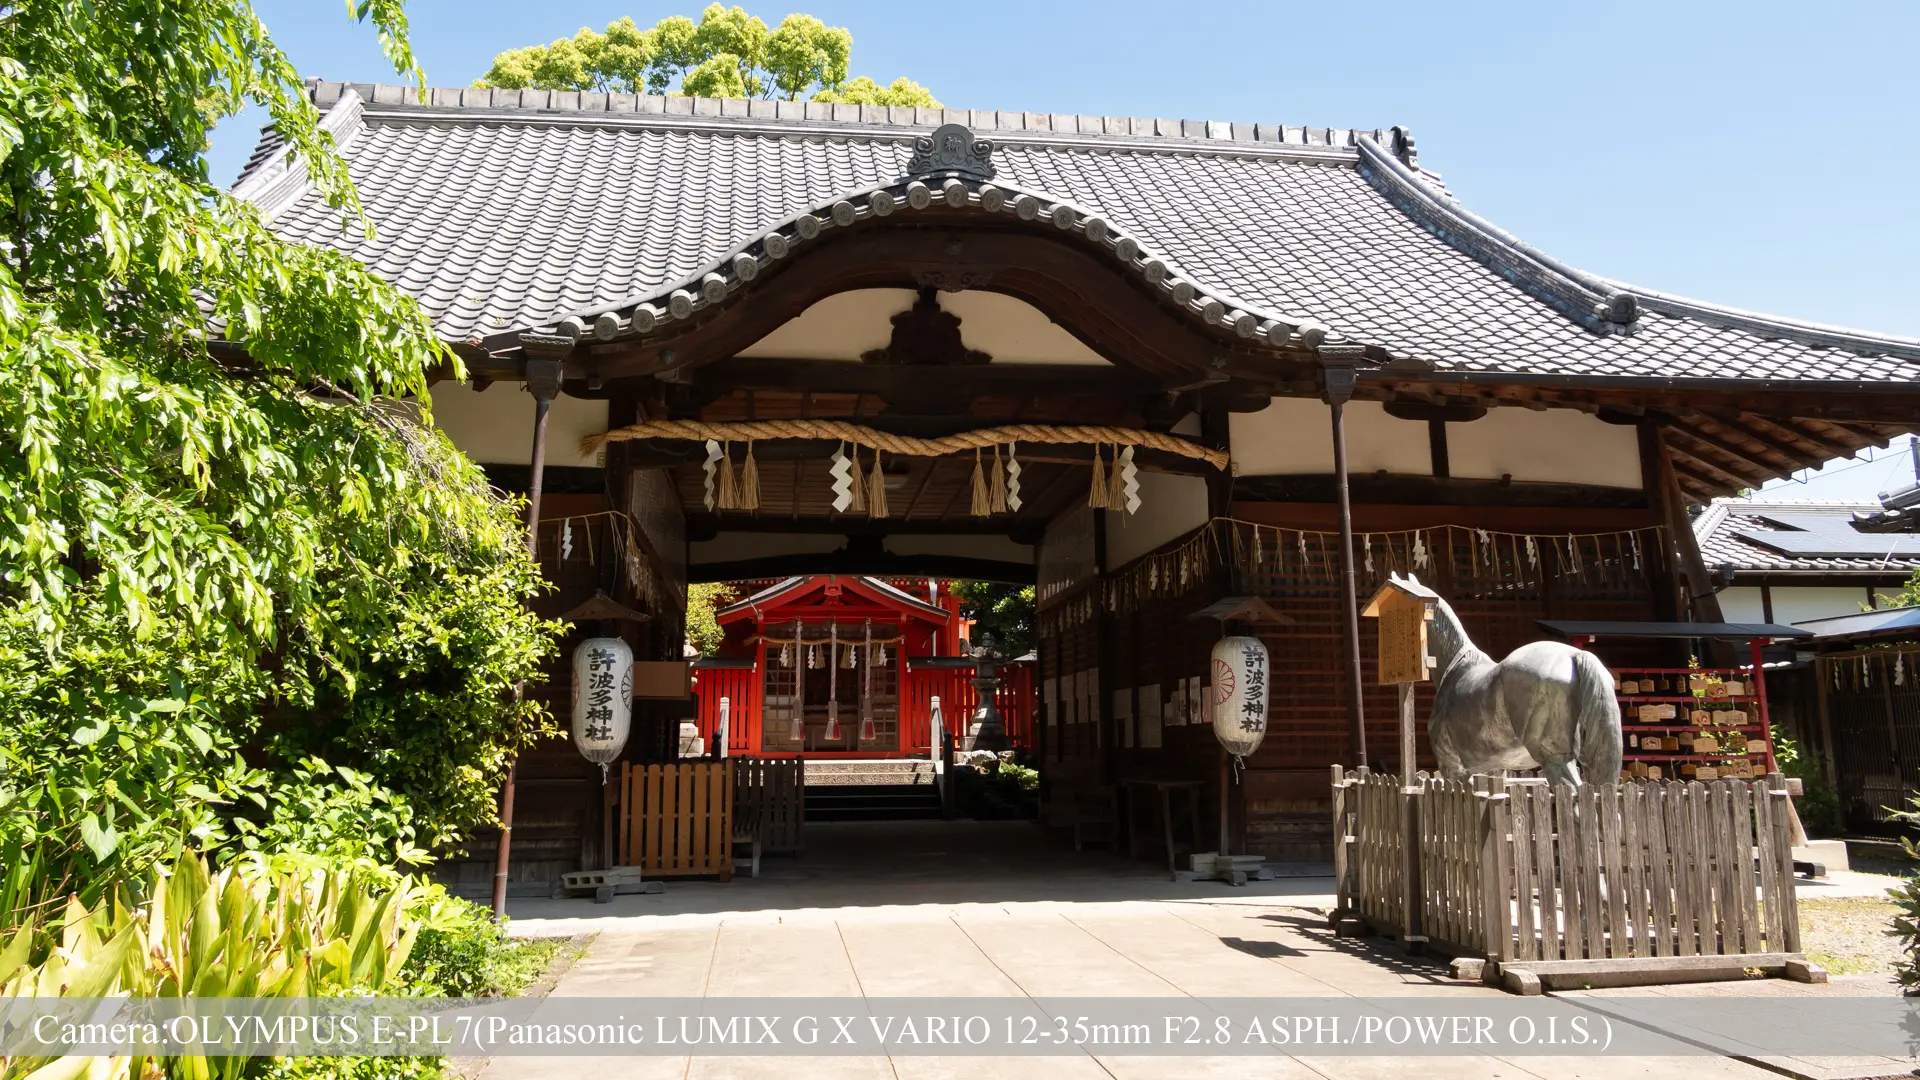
{"x":676,"y":820}
{"x":1640,"y":880}
{"x":771,"y":794}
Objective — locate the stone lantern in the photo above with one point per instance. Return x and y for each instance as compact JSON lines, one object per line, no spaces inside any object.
{"x":987,"y":731}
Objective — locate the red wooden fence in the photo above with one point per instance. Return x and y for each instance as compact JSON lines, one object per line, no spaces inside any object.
{"x":741,"y":688}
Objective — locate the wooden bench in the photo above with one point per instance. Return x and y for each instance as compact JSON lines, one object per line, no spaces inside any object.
{"x":1094,"y":810}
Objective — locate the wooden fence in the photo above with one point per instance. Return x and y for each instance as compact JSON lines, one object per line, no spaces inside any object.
{"x":1640,"y":880}
{"x":675,"y":820}
{"x":770,"y":793}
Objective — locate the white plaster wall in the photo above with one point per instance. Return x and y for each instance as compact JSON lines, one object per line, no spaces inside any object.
{"x":1742,"y":604}
{"x":847,"y":324}
{"x":495,"y":426}
{"x":1795,"y":603}
{"x":1553,"y":446}
{"x":1295,"y":435}
{"x":1013,"y":331}
{"x":840,"y":327}
{"x":1169,"y":506}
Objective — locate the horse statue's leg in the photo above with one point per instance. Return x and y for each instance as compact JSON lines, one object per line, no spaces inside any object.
{"x":1562,"y":772}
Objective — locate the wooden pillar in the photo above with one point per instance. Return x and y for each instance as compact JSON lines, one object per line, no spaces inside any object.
{"x":1661,"y":576}
{"x":1829,"y":756}
{"x":543,"y":382}
{"x":1214,"y":435}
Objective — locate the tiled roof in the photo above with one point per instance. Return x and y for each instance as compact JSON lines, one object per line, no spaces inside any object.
{"x":508,"y":211}
{"x":1718,"y":530}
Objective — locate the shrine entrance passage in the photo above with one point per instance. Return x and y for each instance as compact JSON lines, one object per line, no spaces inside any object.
{"x":850,"y":667}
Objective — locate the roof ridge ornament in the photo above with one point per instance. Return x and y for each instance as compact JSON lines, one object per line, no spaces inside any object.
{"x":952,"y":148}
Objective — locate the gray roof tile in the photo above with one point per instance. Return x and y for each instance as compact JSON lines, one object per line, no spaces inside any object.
{"x":501,"y":218}
{"x":1718,"y":527}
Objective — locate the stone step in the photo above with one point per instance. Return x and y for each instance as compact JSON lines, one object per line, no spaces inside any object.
{"x":872,"y":802}
{"x":863,"y":773}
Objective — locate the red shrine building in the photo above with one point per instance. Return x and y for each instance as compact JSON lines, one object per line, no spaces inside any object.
{"x":848,"y":666}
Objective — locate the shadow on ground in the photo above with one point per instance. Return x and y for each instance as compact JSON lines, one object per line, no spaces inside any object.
{"x":893,"y":863}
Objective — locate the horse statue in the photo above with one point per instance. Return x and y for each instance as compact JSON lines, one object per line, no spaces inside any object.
{"x":1548,"y":705}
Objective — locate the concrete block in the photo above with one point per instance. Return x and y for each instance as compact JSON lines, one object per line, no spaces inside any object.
{"x":1830,"y":853}
{"x":1804,"y":971}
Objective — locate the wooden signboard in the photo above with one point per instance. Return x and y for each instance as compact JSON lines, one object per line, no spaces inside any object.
{"x":662,"y":679}
{"x":1401,"y":608}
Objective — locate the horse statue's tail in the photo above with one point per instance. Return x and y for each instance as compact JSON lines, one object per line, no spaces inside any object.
{"x":1596,"y":720}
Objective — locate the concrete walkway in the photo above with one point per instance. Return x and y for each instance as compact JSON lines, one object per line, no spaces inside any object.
{"x":990,"y":910}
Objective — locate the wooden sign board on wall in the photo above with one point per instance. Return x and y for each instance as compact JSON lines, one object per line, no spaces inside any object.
{"x":662,"y":680}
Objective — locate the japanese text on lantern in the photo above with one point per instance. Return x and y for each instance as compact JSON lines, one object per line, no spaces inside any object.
{"x":1253,"y":708}
{"x":600,"y":688}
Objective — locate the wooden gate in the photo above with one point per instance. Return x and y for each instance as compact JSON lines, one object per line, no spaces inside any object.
{"x":675,"y":820}
{"x":770,"y":793}
{"x":1641,"y":881}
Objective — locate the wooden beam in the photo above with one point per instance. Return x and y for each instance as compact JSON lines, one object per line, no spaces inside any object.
{"x":1434,"y":491}
{"x":882,"y":564}
{"x":1737,"y":481}
{"x":1706,"y":605}
{"x":668,"y":453}
{"x":709,"y":523}
{"x":1768,"y":469}
{"x":1761,"y":429}
{"x":1857,"y":402}
{"x":887,"y":381}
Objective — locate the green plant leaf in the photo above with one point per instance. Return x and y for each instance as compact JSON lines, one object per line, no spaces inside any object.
{"x":100,"y":837}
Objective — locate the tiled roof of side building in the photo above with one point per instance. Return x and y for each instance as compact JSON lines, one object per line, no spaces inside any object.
{"x":510,"y":210}
{"x":1719,"y":529}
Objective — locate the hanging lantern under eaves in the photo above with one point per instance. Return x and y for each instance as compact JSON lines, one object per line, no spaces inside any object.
{"x":602,"y":699}
{"x":1239,"y":694}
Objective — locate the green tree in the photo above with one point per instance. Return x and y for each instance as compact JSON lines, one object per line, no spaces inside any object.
{"x":728,"y":53}
{"x":1001,"y":612}
{"x":224,"y":522}
{"x":704,"y":632}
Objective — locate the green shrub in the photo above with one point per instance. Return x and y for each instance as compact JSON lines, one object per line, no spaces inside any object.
{"x":356,"y":1068}
{"x":1819,"y":805}
{"x":1906,"y":897}
{"x":997,"y":792}
{"x":462,"y":952}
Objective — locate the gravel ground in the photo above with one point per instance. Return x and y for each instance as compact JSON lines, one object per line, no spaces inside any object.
{"x":1849,"y":935}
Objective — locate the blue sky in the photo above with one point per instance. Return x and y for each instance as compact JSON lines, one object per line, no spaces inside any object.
{"x":1756,"y":154}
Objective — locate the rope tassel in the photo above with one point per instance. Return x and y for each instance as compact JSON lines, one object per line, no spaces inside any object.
{"x":998,"y":496}
{"x":1097,"y":494}
{"x":1117,"y":483}
{"x":749,"y":493}
{"x":877,"y":493}
{"x":982,"y":501}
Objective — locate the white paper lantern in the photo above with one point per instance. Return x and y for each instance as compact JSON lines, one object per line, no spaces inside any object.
{"x":1238,"y":695}
{"x":602,"y":699}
